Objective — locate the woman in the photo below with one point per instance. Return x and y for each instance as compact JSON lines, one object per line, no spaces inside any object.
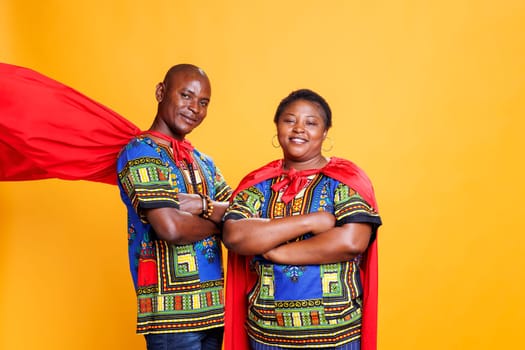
{"x":301,"y":232}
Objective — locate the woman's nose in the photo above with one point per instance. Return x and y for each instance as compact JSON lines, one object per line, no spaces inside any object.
{"x":298,"y":127}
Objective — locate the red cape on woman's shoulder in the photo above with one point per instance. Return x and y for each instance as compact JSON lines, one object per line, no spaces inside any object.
{"x":50,"y":130}
{"x":240,"y":279}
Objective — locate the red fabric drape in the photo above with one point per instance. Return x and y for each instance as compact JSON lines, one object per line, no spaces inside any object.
{"x":49,"y":130}
{"x":240,"y":278}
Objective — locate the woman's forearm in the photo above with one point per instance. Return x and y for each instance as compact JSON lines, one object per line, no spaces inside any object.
{"x":256,"y":236}
{"x":335,"y":245}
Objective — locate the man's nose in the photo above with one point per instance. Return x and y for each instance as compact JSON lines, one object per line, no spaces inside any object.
{"x":194,"y":106}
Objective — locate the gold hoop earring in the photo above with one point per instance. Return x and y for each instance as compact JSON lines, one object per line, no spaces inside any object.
{"x":331,"y":146}
{"x":273,"y":142}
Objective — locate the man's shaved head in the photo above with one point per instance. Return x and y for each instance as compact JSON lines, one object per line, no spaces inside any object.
{"x":185,"y":68}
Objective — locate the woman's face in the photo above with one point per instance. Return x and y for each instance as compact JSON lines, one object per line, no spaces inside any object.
{"x":301,"y":131}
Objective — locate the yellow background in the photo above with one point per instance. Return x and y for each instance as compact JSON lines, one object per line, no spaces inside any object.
{"x":428,"y":97}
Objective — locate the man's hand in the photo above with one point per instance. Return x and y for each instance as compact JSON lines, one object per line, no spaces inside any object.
{"x":191,"y":203}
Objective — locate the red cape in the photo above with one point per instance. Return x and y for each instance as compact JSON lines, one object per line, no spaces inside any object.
{"x":50,"y":130}
{"x":240,"y":278}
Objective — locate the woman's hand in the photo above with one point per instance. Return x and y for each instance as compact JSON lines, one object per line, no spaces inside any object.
{"x":321,"y":221}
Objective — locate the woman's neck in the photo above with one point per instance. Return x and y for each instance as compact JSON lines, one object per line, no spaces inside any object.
{"x":314,"y":163}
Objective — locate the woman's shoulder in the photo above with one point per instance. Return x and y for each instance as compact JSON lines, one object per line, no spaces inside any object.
{"x":351,"y":175}
{"x":338,"y":161}
{"x":265,"y":172}
{"x":344,"y":167}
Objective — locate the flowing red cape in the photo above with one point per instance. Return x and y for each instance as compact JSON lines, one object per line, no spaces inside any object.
{"x":240,"y":279}
{"x":49,"y":130}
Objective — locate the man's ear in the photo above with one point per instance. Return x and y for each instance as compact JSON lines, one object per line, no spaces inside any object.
{"x":159,"y":92}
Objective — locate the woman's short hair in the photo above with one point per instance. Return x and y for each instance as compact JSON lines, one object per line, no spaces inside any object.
{"x":308,"y":95}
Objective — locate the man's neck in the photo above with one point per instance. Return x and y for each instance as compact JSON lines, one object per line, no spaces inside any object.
{"x":159,"y":126}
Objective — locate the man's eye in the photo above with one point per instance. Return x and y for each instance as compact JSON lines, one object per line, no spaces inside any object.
{"x":204,"y":103}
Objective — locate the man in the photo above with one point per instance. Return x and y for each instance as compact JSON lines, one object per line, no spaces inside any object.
{"x":175,"y":197}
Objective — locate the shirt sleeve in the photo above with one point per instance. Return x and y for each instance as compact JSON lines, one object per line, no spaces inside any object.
{"x":246,"y":204}
{"x":223,"y":191}
{"x":350,"y":207}
{"x":145,"y":179}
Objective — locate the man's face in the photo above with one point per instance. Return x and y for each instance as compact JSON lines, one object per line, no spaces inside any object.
{"x":183,"y":102}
